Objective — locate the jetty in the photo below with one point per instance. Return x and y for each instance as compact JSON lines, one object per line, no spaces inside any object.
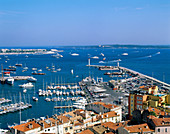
{"x":146,"y":76}
{"x":124,"y":69}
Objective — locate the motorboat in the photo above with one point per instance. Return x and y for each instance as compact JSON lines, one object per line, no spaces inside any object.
{"x":34,"y":69}
{"x":35,"y":98}
{"x":26,"y":85}
{"x":71,"y":71}
{"x":95,"y":57}
{"x":18,"y":64}
{"x":125,"y":54}
{"x":10,"y":80}
{"x":32,"y":79}
{"x":25,"y":90}
{"x":74,"y":54}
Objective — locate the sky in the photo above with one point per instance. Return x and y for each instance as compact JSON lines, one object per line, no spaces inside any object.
{"x":84,"y":22}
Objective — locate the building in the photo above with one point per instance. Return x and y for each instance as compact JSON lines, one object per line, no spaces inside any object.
{"x":147,"y":97}
{"x":161,"y":125}
{"x":31,"y":127}
{"x":101,"y":107}
{"x":136,"y":129}
{"x":70,"y":122}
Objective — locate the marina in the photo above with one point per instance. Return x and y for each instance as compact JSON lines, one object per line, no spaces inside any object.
{"x":62,"y":90}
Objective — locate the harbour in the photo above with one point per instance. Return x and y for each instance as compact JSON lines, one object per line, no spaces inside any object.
{"x":62,"y":90}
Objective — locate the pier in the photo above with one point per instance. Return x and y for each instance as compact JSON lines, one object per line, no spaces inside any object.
{"x":146,"y":76}
{"x":57,"y":107}
{"x":166,"y":85}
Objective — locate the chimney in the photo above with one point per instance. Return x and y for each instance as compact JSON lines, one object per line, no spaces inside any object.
{"x":107,"y":115}
{"x":30,"y":126}
{"x":102,"y":116}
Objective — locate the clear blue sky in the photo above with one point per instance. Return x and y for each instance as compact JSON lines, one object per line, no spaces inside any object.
{"x":84,"y":22}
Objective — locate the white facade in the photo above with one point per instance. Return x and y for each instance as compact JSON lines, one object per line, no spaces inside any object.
{"x":162,"y":130}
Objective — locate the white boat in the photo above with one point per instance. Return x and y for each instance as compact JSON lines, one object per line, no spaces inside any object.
{"x":71,"y":71}
{"x":26,"y":85}
{"x":10,"y":80}
{"x":26,"y":56}
{"x":32,"y":79}
{"x":125,"y":54}
{"x":95,"y":57}
{"x":25,"y":68}
{"x":35,"y":98}
{"x":59,"y":69}
{"x":74,"y":54}
{"x":40,"y":70}
{"x":158,"y":53}
{"x":101,"y":54}
{"x":25,"y":90}
{"x":34,"y":68}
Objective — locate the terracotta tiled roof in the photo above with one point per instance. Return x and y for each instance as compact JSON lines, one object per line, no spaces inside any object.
{"x":157,"y":111}
{"x":138,"y":128}
{"x":114,"y":126}
{"x":86,"y":132}
{"x":27,"y":126}
{"x":110,"y":106}
{"x":161,"y":121}
{"x":108,"y":115}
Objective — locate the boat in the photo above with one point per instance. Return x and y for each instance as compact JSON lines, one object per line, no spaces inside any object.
{"x":158,"y":53}
{"x":40,"y":70}
{"x":125,"y":54}
{"x":26,"y":85}
{"x":74,"y":54}
{"x":32,"y":79}
{"x":71,"y":71}
{"x":59,"y":69}
{"x":10,"y":80}
{"x":34,"y":68}
{"x":18,"y":64}
{"x":35,"y":73}
{"x":101,"y":54}
{"x":35,"y":98}
{"x":25,"y":90}
{"x":25,"y":68}
{"x":7,"y":73}
{"x":9,"y":69}
{"x":95,"y":57}
{"x":26,"y":56}
{"x":12,"y":67}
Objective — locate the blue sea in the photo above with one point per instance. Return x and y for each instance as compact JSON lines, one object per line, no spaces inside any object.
{"x":153,"y":62}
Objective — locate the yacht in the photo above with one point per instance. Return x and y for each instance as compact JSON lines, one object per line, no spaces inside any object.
{"x":125,"y":54}
{"x":101,"y":54}
{"x":10,"y":80}
{"x":25,"y":90}
{"x":74,"y":54}
{"x":19,"y":65}
{"x":25,"y":85}
{"x":95,"y":57}
{"x":34,"y":69}
{"x":26,"y":56}
{"x":35,"y":98}
{"x":32,"y":79}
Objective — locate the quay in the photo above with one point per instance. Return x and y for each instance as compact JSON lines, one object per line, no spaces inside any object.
{"x":146,"y":76}
{"x":15,"y":78}
{"x":57,"y":107}
{"x":165,"y":85}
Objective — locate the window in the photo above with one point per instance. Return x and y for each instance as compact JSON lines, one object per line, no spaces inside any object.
{"x":48,"y":129}
{"x":132,"y":97}
{"x":166,"y":130}
{"x":131,"y":100}
{"x":71,"y":127}
{"x":158,"y":129}
{"x":131,"y":104}
{"x":66,"y":129}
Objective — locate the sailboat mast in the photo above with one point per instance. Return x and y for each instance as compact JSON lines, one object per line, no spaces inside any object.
{"x":20,"y":106}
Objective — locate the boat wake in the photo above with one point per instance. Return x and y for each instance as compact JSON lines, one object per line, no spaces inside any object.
{"x":149,"y":56}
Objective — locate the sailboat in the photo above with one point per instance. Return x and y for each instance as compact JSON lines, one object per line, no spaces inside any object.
{"x":34,"y":98}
